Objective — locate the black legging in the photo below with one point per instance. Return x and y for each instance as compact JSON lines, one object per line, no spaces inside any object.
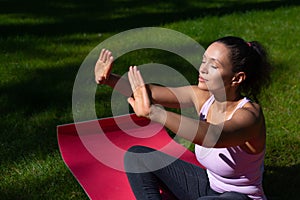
{"x":180,"y":179}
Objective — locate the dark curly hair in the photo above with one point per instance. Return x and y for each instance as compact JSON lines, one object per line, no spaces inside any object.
{"x":251,"y":58}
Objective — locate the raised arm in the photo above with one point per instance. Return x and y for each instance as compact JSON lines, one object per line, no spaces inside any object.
{"x":103,"y":73}
{"x":165,"y":96}
{"x":178,"y":97}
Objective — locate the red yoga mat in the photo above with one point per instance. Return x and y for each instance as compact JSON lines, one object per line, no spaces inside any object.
{"x":94,"y":150}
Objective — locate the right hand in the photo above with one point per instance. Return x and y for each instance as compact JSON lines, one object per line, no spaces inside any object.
{"x":140,"y":101}
{"x":103,"y":66}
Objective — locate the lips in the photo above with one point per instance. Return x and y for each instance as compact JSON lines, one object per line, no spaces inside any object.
{"x":201,"y":79}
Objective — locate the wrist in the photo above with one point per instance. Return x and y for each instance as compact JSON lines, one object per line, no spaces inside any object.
{"x":157,"y":114}
{"x":111,"y":80}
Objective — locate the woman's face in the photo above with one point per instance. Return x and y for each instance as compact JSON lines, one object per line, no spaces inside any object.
{"x":215,"y":73}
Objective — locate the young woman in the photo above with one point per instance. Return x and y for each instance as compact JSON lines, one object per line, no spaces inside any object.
{"x":230,"y":131}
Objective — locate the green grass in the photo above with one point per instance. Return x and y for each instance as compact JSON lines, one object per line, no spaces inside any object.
{"x":42,"y":45}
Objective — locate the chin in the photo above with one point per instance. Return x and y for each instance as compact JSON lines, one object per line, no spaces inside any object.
{"x":202,"y":86}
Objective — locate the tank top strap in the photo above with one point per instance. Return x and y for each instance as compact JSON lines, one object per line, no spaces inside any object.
{"x":205,"y":107}
{"x":240,"y":105}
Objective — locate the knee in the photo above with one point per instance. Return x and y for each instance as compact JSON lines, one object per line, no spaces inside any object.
{"x":134,"y":158}
{"x":140,"y":149}
{"x":234,"y":195}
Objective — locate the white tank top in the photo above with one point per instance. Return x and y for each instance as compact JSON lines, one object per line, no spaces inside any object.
{"x":232,"y":169}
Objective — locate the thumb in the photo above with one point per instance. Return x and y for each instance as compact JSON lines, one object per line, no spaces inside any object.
{"x":130,"y":100}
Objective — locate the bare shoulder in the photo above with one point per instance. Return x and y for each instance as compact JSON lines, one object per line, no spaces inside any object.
{"x":246,"y":128}
{"x":253,"y":109}
{"x":250,"y":116}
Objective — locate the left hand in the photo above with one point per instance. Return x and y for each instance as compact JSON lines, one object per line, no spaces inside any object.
{"x":103,"y":66}
{"x":140,"y":101}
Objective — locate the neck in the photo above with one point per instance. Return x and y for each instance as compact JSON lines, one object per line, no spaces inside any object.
{"x":223,"y":101}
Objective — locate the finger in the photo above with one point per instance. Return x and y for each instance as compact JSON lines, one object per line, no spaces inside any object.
{"x":110,"y":59}
{"x":107,"y":55}
{"x":130,"y":78}
{"x":141,"y":83}
{"x":109,"y":67}
{"x":133,"y":70}
{"x":130,"y":100}
{"x":140,"y":78}
{"x":135,"y":77}
{"x":102,"y":54}
{"x":99,"y":80}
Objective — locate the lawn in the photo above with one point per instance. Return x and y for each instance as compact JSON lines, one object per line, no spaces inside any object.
{"x":43,"y":44}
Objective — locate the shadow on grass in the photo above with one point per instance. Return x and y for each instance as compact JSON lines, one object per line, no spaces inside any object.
{"x":282,"y":182}
{"x":92,"y":16}
{"x":58,"y":185}
{"x":32,"y":110}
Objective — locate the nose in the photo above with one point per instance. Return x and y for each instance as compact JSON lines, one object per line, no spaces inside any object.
{"x":203,"y":68}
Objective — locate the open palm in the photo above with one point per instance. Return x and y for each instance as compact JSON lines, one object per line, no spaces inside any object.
{"x":140,"y":101}
{"x":103,"y":66}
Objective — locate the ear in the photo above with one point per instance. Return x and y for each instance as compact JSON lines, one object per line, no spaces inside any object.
{"x":238,"y":78}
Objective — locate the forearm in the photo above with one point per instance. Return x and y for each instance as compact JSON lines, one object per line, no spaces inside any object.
{"x":162,"y":95}
{"x":120,"y":84}
{"x":171,"y":97}
{"x":196,"y":131}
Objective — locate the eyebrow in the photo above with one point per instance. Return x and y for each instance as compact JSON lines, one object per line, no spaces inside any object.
{"x":213,"y":59}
